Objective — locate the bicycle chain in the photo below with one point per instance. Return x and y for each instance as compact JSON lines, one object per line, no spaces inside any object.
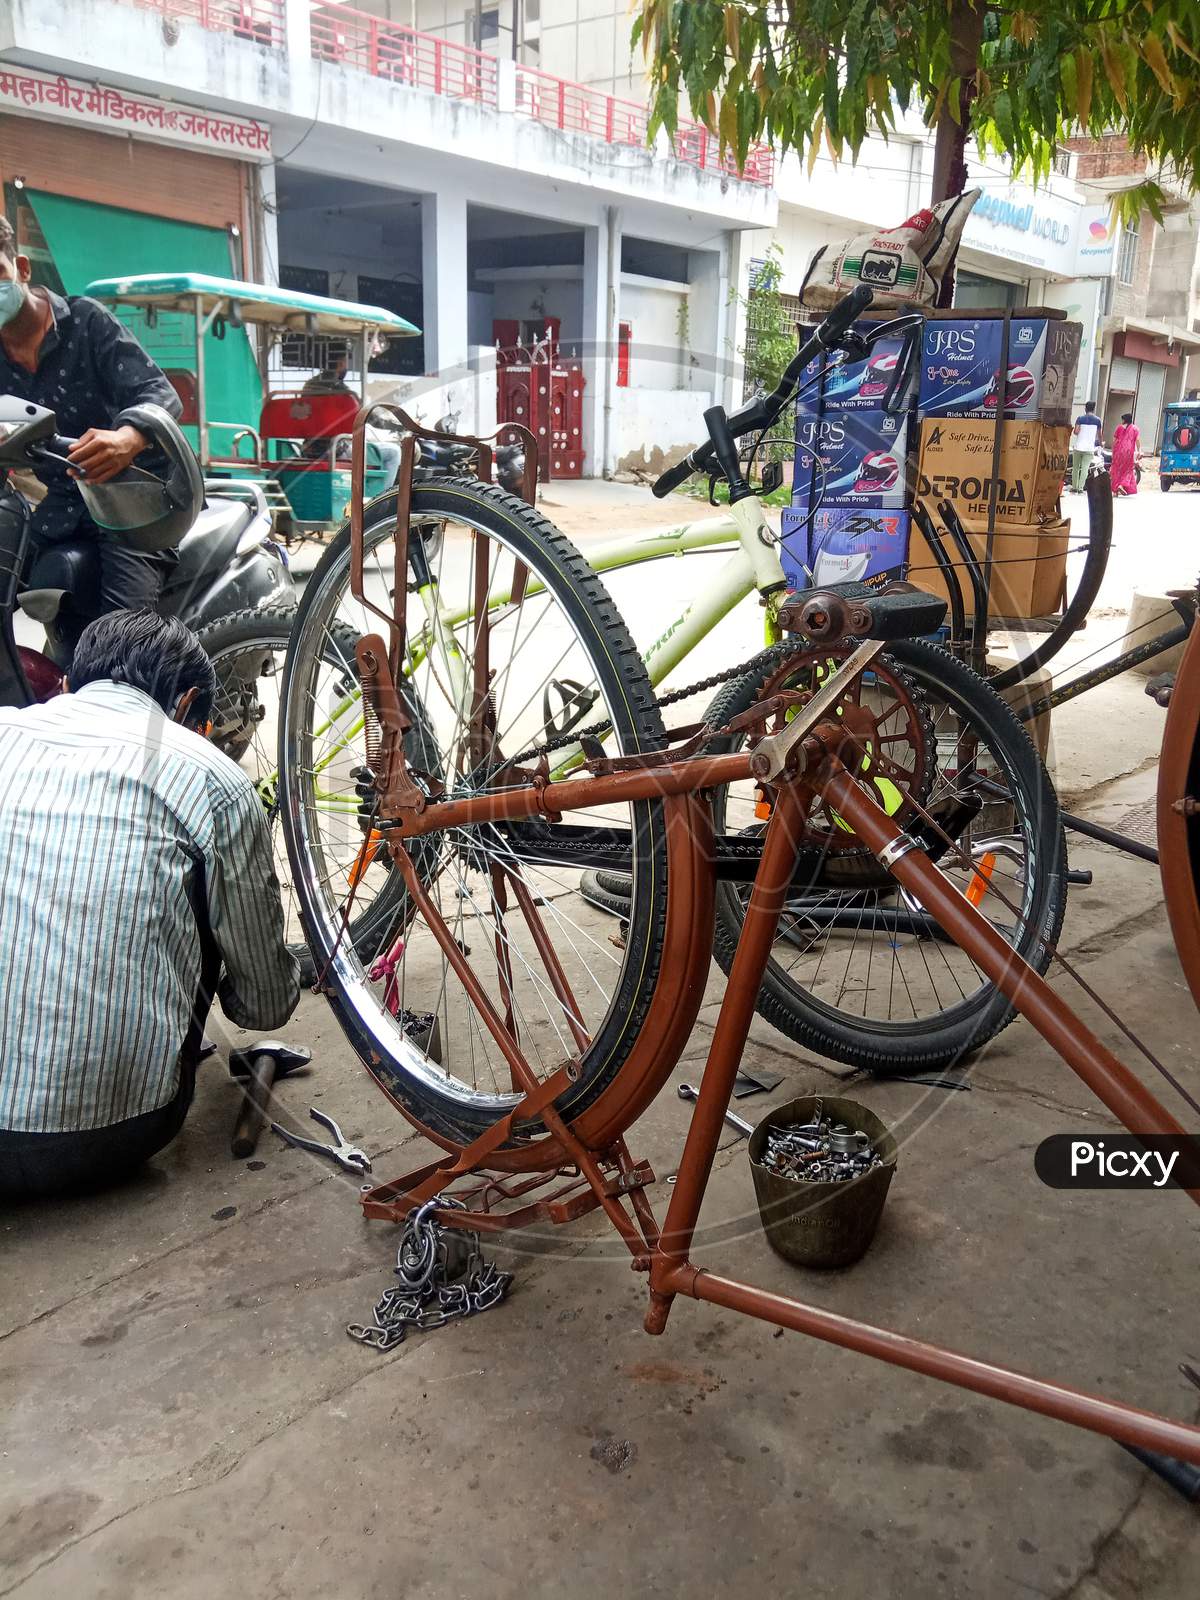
{"x":430,"y":1294}
{"x":597,"y":729}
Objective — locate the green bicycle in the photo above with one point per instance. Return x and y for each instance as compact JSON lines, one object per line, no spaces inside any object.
{"x":856,"y":973}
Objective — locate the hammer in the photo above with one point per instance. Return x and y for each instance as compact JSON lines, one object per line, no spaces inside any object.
{"x":256,"y":1070}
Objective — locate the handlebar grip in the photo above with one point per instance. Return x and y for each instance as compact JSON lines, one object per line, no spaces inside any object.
{"x":843,"y":314}
{"x":673,"y":477}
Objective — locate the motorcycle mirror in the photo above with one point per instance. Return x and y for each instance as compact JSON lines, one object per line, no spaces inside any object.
{"x":22,"y":424}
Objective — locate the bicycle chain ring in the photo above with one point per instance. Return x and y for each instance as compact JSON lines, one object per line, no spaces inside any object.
{"x":895,"y":784}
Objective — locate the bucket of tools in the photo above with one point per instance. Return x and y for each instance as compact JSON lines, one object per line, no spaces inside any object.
{"x":822,"y":1167}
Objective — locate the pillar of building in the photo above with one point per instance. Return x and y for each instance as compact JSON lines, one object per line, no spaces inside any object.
{"x":601,"y":310}
{"x":297,"y":40}
{"x":444,"y":282}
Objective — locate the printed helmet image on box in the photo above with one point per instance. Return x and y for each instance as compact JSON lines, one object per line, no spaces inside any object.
{"x":878,"y":376}
{"x":1022,"y":386}
{"x":840,"y":559}
{"x":878,"y":473}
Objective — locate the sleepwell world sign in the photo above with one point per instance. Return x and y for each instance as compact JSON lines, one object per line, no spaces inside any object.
{"x":1043,"y":231}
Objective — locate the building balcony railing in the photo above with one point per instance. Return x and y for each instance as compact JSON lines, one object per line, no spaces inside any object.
{"x":262,"y":21}
{"x":403,"y":55}
{"x":578,"y":109}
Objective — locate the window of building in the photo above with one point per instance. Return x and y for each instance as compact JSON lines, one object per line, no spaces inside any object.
{"x":489,"y":24}
{"x":1127,"y":252}
{"x":973,"y":291}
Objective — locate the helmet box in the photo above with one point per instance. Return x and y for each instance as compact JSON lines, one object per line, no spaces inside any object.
{"x":843,"y":544}
{"x":960,"y":368}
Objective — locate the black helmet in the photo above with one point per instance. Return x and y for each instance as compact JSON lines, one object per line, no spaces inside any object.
{"x":147,"y":511}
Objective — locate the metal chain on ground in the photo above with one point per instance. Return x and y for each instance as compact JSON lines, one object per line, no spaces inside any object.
{"x":434,"y":1289}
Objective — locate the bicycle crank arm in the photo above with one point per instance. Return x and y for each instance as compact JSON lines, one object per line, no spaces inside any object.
{"x":771,"y":754}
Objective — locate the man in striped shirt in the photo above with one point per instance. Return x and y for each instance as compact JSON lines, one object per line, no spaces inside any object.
{"x":136,"y":881}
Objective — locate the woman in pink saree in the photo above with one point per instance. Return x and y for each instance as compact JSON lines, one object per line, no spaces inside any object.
{"x":1124,"y":456}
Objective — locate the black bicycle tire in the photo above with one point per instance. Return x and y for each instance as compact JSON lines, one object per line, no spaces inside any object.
{"x":587,"y":605}
{"x":245,"y":628}
{"x":885,"y":1048}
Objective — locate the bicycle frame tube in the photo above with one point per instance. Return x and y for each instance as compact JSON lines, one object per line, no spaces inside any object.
{"x":666,"y":1258}
{"x":754,"y":563}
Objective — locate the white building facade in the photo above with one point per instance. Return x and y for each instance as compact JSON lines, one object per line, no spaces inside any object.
{"x":355,"y":154}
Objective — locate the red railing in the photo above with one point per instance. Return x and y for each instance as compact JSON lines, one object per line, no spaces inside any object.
{"x":695,"y":145}
{"x":261,"y":21}
{"x":578,"y":109}
{"x":424,"y":61}
{"x":402,"y":55}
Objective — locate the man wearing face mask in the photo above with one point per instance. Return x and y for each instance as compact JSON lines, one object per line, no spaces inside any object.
{"x":75,"y":358}
{"x":136,"y":883}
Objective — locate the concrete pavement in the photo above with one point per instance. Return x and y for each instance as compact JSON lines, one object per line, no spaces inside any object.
{"x":184,"y":1415}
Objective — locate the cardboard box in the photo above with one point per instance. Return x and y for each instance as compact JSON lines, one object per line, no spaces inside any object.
{"x":843,"y":544}
{"x":828,"y":384}
{"x":852,"y":458}
{"x":960,"y":368}
{"x":1029,"y":565}
{"x":956,"y":465}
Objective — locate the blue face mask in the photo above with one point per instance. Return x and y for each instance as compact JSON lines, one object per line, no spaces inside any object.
{"x":12,"y":298}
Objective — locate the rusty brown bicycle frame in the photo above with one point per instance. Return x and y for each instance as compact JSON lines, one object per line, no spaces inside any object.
{"x":665,"y":1257}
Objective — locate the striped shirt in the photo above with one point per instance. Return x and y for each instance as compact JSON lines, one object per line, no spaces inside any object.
{"x":111,"y":818}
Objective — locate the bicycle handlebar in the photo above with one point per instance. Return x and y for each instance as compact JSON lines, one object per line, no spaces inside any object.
{"x":761,"y":413}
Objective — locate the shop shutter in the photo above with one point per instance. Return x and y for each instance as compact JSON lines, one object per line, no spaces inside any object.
{"x":1148,"y":410}
{"x":1123,"y":376}
{"x":133,"y":174}
{"x":92,"y":241}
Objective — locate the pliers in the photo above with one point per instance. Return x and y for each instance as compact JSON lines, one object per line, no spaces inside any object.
{"x":348,"y":1156}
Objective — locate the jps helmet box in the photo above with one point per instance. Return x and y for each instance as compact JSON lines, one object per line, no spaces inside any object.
{"x":855,"y":458}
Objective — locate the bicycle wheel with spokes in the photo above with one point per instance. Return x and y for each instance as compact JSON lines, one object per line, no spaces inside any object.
{"x":247,"y":650}
{"x":859,"y":972}
{"x":556,"y":657}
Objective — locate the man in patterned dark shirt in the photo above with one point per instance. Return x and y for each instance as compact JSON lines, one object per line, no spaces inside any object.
{"x":75,"y":358}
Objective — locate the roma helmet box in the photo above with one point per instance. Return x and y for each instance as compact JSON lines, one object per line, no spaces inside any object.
{"x":956,"y":464}
{"x":960,"y":368}
{"x":1029,"y":565}
{"x":843,"y":544}
{"x":852,"y":458}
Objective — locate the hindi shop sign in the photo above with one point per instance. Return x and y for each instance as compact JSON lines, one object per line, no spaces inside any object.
{"x":42,"y":94}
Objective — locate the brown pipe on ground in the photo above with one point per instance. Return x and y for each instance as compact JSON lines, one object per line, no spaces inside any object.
{"x":1112,"y":1082}
{"x":1127,"y":1423}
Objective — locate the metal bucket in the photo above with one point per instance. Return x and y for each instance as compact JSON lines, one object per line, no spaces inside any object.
{"x":822,"y":1224}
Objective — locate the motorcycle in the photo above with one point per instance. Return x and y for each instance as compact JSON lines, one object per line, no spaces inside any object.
{"x":228,"y":564}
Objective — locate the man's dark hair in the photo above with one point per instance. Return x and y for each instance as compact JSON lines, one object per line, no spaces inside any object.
{"x":8,"y":239}
{"x":1089,"y":405}
{"x":155,"y":654}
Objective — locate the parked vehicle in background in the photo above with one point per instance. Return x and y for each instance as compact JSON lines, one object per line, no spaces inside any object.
{"x":228,"y":564}
{"x":1179,"y":445}
{"x":297,"y":448}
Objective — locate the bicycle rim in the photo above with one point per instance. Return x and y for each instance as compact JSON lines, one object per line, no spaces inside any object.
{"x":558,"y":656}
